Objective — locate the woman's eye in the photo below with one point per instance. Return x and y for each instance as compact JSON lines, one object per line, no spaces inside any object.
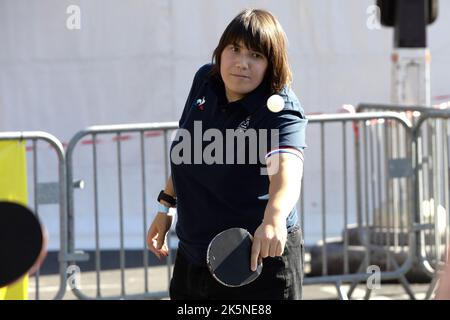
{"x":234,"y":49}
{"x":256,"y":55}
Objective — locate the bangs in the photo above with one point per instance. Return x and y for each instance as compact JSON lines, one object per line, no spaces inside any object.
{"x":250,"y":33}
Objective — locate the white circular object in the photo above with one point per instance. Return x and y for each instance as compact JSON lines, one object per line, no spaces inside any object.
{"x":275,"y":103}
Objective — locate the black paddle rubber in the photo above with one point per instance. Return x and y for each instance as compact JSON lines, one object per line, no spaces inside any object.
{"x":21,"y":242}
{"x":228,"y":258}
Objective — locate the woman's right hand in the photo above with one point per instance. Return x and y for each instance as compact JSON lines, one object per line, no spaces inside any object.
{"x":156,"y":235}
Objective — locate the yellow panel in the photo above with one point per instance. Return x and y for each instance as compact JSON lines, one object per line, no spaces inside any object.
{"x":13,"y":187}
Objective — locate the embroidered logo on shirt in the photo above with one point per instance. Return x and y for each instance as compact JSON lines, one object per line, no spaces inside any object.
{"x":200,"y":103}
{"x":244,"y":124}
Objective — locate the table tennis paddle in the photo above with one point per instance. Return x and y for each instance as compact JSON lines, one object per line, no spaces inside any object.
{"x":23,"y":242}
{"x":228,"y":258}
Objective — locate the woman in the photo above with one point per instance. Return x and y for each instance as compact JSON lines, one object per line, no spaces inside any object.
{"x":214,"y":188}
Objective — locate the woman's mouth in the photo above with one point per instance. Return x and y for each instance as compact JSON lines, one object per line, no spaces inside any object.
{"x":240,"y":76}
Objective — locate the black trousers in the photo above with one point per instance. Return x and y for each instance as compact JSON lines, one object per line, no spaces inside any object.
{"x":280,"y":279}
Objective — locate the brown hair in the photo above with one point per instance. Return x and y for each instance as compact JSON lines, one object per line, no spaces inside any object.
{"x":259,"y":30}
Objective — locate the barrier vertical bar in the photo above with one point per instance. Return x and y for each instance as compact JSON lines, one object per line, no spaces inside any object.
{"x":96,"y":216}
{"x":344,"y":170}
{"x":324,"y":227}
{"x":122,"y":247}
{"x":144,"y":209}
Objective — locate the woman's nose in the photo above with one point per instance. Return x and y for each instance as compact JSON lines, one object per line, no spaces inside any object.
{"x":242,"y":62}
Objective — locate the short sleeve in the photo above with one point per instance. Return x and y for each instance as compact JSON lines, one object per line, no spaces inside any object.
{"x":290,"y":130}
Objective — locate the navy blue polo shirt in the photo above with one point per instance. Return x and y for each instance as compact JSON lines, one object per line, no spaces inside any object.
{"x":213,"y":196}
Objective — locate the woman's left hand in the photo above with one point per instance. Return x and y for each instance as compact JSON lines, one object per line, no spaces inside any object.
{"x":269,"y":240}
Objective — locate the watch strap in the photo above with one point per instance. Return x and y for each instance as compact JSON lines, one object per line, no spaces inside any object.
{"x":168,"y":198}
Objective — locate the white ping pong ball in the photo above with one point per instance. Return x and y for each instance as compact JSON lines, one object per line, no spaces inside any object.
{"x":275,"y":103}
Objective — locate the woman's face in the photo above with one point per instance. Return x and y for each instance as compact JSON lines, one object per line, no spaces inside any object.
{"x":242,"y":70}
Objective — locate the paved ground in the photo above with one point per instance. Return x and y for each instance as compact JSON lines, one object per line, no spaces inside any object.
{"x":110,"y":284}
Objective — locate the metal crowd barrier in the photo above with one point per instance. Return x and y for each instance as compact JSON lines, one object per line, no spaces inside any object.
{"x":359,"y":164}
{"x":431,"y":196}
{"x":47,"y":193}
{"x":432,"y":135}
{"x":124,"y":159}
{"x":384,"y":163}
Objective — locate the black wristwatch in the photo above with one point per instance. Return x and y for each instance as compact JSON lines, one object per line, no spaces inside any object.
{"x":168,"y":198}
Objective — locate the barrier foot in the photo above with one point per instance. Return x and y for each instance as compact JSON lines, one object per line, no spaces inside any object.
{"x":355,"y":283}
{"x":341,"y":292}
{"x":433,"y":286}
{"x":403,"y":280}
